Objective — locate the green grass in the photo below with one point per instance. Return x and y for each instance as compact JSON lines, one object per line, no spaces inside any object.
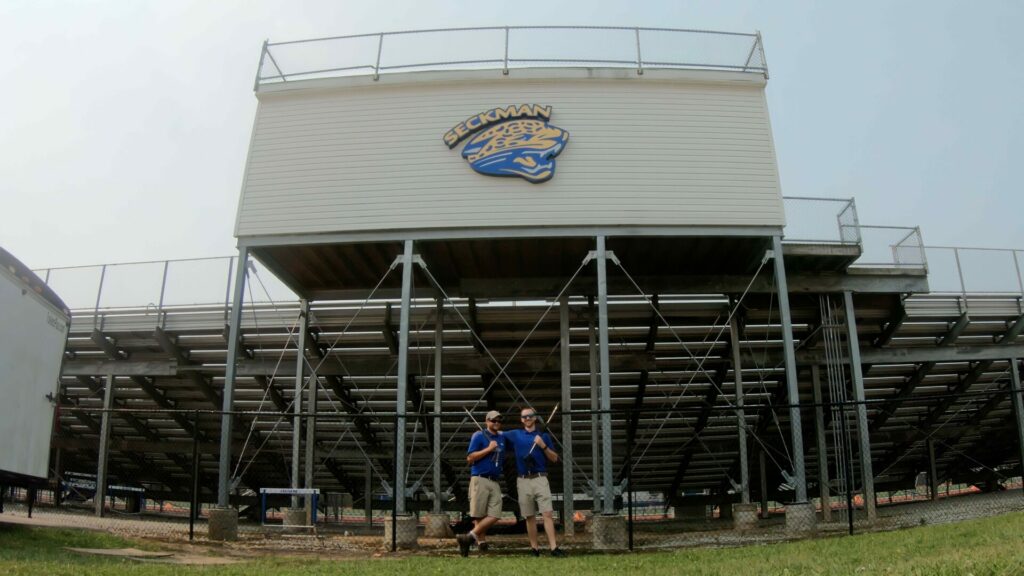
{"x":979,"y":547}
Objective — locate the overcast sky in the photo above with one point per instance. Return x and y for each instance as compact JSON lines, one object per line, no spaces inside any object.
{"x":125,"y":124}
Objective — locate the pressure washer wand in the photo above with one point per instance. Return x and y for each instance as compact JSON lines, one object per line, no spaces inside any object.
{"x":546,"y":423}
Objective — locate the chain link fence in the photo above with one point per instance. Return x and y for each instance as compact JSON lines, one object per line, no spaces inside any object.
{"x":677,"y":475}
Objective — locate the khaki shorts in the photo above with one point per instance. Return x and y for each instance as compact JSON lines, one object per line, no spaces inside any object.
{"x":484,"y":497}
{"x":534,"y":495}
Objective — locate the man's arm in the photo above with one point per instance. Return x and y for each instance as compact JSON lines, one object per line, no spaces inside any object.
{"x":482,"y":452}
{"x":543,"y":441}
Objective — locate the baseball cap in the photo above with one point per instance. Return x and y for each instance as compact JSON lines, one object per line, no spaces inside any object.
{"x":494,"y":415}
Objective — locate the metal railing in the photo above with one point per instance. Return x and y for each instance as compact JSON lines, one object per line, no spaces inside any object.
{"x":892,"y":246}
{"x":821,"y":220}
{"x":510,"y":47}
{"x":963,"y":270}
{"x":155,"y":285}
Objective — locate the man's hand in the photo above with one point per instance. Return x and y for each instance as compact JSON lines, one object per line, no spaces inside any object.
{"x":492,"y":446}
{"x":537,"y":441}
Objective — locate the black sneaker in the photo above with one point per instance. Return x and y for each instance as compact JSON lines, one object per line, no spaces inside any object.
{"x":535,"y":552}
{"x":483,"y":546}
{"x":465,"y":541}
{"x":557,"y":553}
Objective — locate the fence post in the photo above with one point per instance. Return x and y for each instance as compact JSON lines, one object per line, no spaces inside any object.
{"x":193,"y":512}
{"x":848,"y":458}
{"x":504,"y":69}
{"x":639,"y":71}
{"x":394,"y":493}
{"x":1016,"y":265}
{"x":960,"y":273}
{"x":380,"y":48}
{"x":629,"y":487}
{"x":99,"y":294}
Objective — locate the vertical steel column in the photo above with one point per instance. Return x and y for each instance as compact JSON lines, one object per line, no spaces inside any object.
{"x":868,"y":476}
{"x":1018,"y":404}
{"x":234,"y":327}
{"x":99,"y":498}
{"x":438,"y":350}
{"x":741,"y":418}
{"x":606,"y":378}
{"x":819,"y":433}
{"x":763,"y":477}
{"x":300,"y":345}
{"x":368,"y":493}
{"x":792,"y":390}
{"x":568,"y":507}
{"x":933,"y":472}
{"x":595,"y":451}
{"x":312,"y":392}
{"x":403,"y":373}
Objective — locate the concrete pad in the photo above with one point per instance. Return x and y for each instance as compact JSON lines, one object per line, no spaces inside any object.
{"x":610,"y":532}
{"x":744,"y":516}
{"x":222,"y":525}
{"x":405,"y":532}
{"x":801,"y":517}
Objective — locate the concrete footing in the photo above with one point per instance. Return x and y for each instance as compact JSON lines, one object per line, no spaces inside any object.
{"x":438,"y":526}
{"x":610,"y":532}
{"x":801,"y":517}
{"x":405,"y":532}
{"x":295,"y":520}
{"x":744,"y":516}
{"x":222,"y":525}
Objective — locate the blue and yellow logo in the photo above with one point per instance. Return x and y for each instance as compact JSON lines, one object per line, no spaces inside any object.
{"x":511,"y":141}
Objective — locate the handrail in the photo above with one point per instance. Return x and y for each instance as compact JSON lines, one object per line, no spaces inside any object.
{"x":742,"y":51}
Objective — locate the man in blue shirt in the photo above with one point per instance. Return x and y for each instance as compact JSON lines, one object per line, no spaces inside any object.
{"x":486,"y":454}
{"x":533,"y":450}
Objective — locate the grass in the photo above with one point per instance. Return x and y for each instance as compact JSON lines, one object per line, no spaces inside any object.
{"x":980,"y":547}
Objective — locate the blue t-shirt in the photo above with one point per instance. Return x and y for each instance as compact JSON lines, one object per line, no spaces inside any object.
{"x":520,"y":442}
{"x":489,"y":465}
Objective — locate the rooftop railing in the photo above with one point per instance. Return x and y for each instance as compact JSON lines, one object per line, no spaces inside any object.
{"x":509,"y":48}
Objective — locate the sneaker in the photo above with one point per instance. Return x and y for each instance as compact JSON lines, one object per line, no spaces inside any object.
{"x":557,"y":553}
{"x":535,"y":552}
{"x":483,"y":546}
{"x":465,"y":541}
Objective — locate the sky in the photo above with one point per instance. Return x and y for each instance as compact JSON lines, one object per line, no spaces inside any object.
{"x":126,"y":123}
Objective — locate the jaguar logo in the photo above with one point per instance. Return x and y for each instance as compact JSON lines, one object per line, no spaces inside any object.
{"x":512,"y":141}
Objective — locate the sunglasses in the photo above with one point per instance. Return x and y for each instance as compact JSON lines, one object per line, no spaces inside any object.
{"x":495,"y":420}
{"x":528,"y":416}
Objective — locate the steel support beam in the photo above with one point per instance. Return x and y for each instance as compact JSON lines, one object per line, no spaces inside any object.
{"x":793,"y":390}
{"x":741,"y":417}
{"x":933,"y":471}
{"x":234,"y":325}
{"x":568,"y":488}
{"x":1018,"y":405}
{"x":300,"y":370}
{"x":595,"y":449}
{"x":403,"y":375}
{"x":438,"y":351}
{"x":312,"y":393}
{"x":608,"y":499}
{"x":99,"y":498}
{"x":853,"y":341}
{"x":820,"y":436}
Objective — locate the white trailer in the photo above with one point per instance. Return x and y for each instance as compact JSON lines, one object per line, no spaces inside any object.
{"x":34,"y":325}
